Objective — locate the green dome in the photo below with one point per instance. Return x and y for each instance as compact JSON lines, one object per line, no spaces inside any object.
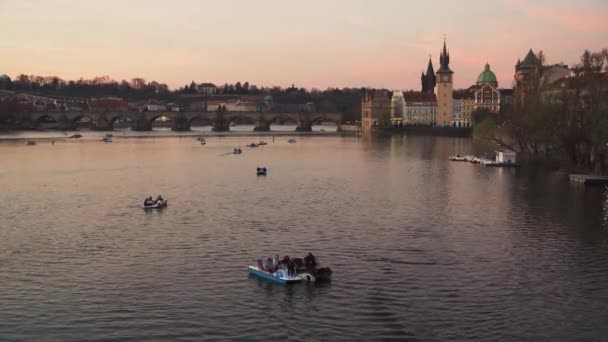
{"x":487,"y":76}
{"x":4,"y":77}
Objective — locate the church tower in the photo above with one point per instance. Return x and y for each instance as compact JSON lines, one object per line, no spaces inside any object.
{"x":428,"y":81}
{"x":443,"y":89}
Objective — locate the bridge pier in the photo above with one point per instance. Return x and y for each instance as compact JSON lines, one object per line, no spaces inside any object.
{"x":304,"y":123}
{"x":221,"y":126}
{"x":261,"y":125}
{"x":142,"y":124}
{"x":181,"y":124}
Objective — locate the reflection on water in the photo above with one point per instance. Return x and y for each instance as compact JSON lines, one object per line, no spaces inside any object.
{"x":421,"y":248}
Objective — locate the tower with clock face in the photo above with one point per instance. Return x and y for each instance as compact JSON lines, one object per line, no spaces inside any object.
{"x":443,"y":90}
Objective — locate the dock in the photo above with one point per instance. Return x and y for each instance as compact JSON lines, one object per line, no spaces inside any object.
{"x":590,"y":180}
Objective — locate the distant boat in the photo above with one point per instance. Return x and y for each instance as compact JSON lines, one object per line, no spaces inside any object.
{"x":292,"y":141}
{"x":252,"y":145}
{"x":75,"y":136}
{"x":237,"y":151}
{"x":106,"y":140}
{"x":30,"y":143}
{"x":262,"y":143}
{"x":203,"y":141}
{"x":156,"y":205}
{"x":261,"y":171}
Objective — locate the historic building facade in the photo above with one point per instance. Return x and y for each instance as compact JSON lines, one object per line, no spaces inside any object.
{"x":487,"y":93}
{"x":419,"y":108}
{"x":444,"y":90}
{"x":527,"y":77}
{"x":375,"y":105}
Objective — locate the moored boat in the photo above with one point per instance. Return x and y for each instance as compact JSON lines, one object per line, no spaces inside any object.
{"x":252,"y":145}
{"x":31,"y":143}
{"x":291,"y":141}
{"x":106,"y":140}
{"x":457,"y":158}
{"x":280,"y":276}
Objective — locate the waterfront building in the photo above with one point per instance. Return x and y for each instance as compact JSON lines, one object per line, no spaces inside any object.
{"x":419,"y":108}
{"x":468,"y":106}
{"x":457,"y":110}
{"x":428,"y":81}
{"x":397,"y":107}
{"x":375,"y":107}
{"x":444,"y":90}
{"x":527,"y":76}
{"x":487,"y":94}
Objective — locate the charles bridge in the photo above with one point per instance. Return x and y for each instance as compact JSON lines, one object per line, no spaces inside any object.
{"x":181,"y":121}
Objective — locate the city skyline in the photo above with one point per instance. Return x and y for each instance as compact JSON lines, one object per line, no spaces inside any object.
{"x":341,"y":44}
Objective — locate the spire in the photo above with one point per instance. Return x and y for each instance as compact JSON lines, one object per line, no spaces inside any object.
{"x":429,"y":68}
{"x":444,"y":59}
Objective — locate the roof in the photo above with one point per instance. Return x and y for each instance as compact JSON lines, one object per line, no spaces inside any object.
{"x":487,"y":76}
{"x":530,"y":61}
{"x":417,"y":96}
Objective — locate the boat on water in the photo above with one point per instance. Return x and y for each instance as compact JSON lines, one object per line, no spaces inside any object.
{"x":31,"y":143}
{"x":457,"y":158}
{"x":75,"y":136}
{"x":291,"y":270}
{"x":106,"y":140}
{"x":252,"y":145}
{"x":156,"y":205}
{"x":280,"y":276}
{"x":262,"y":143}
{"x":291,"y":141}
{"x":237,"y":151}
{"x":261,"y":171}
{"x":203,"y":142}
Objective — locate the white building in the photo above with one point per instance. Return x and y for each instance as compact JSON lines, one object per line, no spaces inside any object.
{"x":420,"y":108}
{"x":206,"y":89}
{"x":397,"y":106}
{"x":457,"y":111}
{"x":505,"y":156}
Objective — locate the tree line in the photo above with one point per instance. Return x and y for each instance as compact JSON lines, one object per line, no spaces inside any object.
{"x":345,"y":100}
{"x":568,"y":119}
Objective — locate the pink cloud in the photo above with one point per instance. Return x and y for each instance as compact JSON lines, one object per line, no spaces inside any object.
{"x":580,"y":19}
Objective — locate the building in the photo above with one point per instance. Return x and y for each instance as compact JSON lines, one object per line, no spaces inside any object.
{"x":457,"y":110}
{"x":487,"y":94}
{"x":506,"y":97}
{"x":397,"y":107}
{"x":428,"y":81}
{"x":206,"y":89}
{"x":419,"y":108}
{"x":375,"y":108}
{"x":443,"y":90}
{"x":5,"y":82}
{"x":527,"y":77}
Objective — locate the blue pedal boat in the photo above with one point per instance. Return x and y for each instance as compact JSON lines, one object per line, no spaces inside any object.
{"x":280,"y":276}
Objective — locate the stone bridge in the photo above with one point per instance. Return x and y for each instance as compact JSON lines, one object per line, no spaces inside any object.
{"x":181,"y":121}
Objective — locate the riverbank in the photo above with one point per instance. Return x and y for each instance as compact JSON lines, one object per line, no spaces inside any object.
{"x":462,"y":132}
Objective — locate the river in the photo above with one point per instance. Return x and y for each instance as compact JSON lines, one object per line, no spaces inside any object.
{"x":422,"y":249}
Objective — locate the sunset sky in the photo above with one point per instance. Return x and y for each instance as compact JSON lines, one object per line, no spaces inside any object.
{"x":313,"y":43}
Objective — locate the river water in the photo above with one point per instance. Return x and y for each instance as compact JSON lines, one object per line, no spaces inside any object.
{"x":422,"y":249}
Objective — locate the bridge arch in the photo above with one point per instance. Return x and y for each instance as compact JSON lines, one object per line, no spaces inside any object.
{"x":46,"y":121}
{"x":317,"y":122}
{"x":202,"y":121}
